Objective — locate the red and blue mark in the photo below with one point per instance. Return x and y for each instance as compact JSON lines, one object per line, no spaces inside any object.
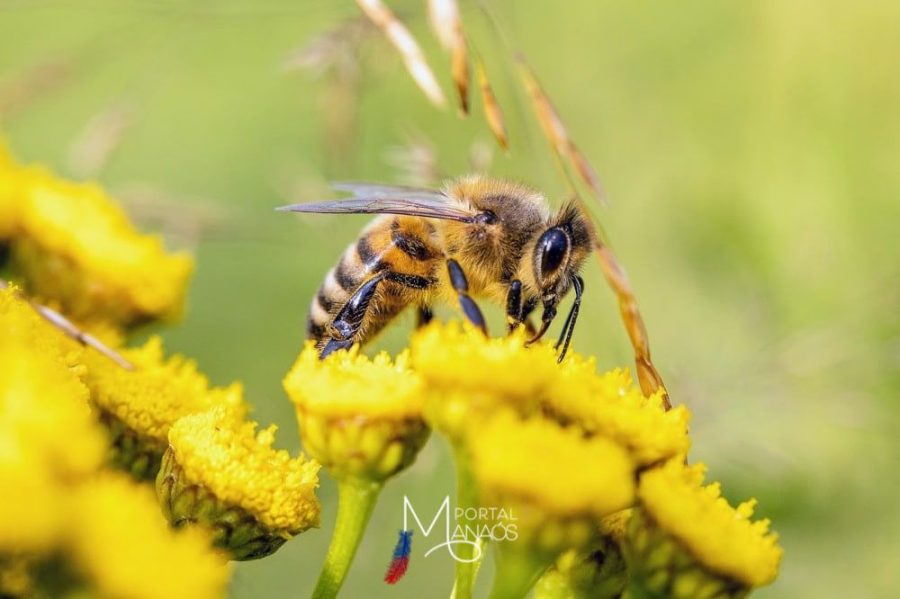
{"x":400,"y":560}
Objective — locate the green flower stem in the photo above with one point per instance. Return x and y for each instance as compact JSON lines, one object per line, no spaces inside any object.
{"x":356,"y":501}
{"x":466,"y":497}
{"x":517,"y":571}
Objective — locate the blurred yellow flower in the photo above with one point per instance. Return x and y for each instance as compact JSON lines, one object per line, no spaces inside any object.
{"x":122,"y":547}
{"x":610,"y":405}
{"x":73,"y":245}
{"x":31,"y":519}
{"x":722,"y":539}
{"x":358,"y":416}
{"x":139,"y":406}
{"x":44,"y":412}
{"x":218,"y":453}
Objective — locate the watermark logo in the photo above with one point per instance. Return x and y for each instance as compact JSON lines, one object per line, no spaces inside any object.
{"x":468,"y":527}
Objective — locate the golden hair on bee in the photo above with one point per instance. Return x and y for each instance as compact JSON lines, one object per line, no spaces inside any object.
{"x":479,"y":237}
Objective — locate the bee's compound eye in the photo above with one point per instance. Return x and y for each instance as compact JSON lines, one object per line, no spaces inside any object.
{"x":486,"y":218}
{"x":553,"y":247}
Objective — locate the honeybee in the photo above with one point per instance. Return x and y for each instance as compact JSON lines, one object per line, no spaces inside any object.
{"x":479,"y":237}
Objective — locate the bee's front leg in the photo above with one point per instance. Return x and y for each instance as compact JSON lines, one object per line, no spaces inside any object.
{"x":514,"y":305}
{"x":461,"y":286}
{"x":424,"y":315}
{"x":347,"y":322}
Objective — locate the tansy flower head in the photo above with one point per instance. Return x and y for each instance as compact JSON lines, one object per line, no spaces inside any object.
{"x":469,"y":375}
{"x":44,"y":413}
{"x":687,"y":540}
{"x":359,"y":417}
{"x":610,"y":405}
{"x":31,"y":519}
{"x":558,"y":482}
{"x":121,"y":546}
{"x":138,"y":407}
{"x":75,"y":246}
{"x":219,"y":472}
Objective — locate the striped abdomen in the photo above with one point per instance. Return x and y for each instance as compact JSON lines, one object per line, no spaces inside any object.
{"x":405,"y":249}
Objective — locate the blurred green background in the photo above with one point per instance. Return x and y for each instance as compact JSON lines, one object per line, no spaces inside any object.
{"x":750,"y":151}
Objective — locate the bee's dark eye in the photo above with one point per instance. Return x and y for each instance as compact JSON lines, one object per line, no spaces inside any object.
{"x":553,"y":247}
{"x":486,"y":218}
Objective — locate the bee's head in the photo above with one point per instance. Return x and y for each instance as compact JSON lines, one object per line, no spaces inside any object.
{"x":558,"y":255}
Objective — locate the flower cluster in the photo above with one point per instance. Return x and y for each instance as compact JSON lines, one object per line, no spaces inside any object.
{"x":593,"y":470}
{"x":74,"y":415}
{"x":66,"y":524}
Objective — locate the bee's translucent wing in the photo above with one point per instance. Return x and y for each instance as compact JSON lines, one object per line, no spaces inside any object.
{"x":362,"y":188}
{"x":373,"y":198}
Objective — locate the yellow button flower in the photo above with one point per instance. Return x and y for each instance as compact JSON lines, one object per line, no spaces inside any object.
{"x":31,"y":519}
{"x":44,"y":413}
{"x":362,"y":419}
{"x":539,"y":469}
{"x":687,"y":541}
{"x":138,"y":407}
{"x":455,"y":355}
{"x":610,"y":405}
{"x":73,"y":245}
{"x":219,"y":472}
{"x":556,"y":483}
{"x":121,"y":547}
{"x":358,"y":416}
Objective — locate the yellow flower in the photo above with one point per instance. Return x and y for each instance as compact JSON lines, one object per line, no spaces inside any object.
{"x":75,"y":246}
{"x":683,"y":521}
{"x":218,"y":469}
{"x":452,"y":355}
{"x":31,"y":517}
{"x":139,"y":406}
{"x":122,"y":547}
{"x":470,"y":376}
{"x":610,"y":405}
{"x":44,"y":413}
{"x":358,"y":416}
{"x":558,"y":482}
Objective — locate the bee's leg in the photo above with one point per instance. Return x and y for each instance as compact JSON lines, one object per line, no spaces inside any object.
{"x":424,"y":315}
{"x":514,"y":305}
{"x":461,"y":286}
{"x":565,"y":336}
{"x":347,"y":322}
{"x":527,"y":310}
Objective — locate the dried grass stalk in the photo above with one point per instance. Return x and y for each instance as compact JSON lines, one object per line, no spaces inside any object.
{"x":400,"y":37}
{"x":492,"y":111}
{"x":448,"y":27}
{"x":101,"y":136}
{"x":557,"y":134}
{"x":66,"y":326}
{"x":445,"y":21}
{"x":459,"y":67}
{"x":647,"y":375}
